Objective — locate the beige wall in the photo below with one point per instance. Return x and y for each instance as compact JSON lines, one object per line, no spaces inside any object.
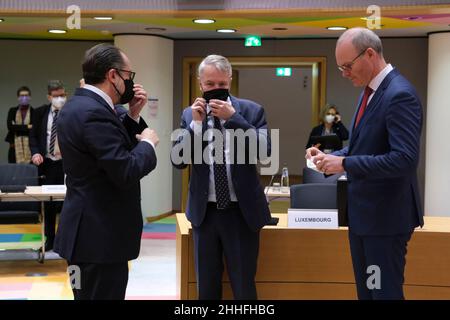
{"x":281,"y":96}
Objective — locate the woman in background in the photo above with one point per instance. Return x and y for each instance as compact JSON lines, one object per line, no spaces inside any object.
{"x":330,"y":124}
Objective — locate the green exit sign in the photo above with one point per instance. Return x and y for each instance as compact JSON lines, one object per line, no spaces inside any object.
{"x":284,"y":72}
{"x":253,"y":41}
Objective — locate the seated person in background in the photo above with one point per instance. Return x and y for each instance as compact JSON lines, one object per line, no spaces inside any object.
{"x":330,"y":124}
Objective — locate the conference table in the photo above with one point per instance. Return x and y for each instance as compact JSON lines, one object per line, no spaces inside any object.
{"x":40,"y":194}
{"x":316,"y":264}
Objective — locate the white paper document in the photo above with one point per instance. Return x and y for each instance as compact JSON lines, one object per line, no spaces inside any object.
{"x":311,"y":165}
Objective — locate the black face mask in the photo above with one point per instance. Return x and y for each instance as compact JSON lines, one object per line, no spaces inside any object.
{"x":219,"y":94}
{"x":128,"y":93}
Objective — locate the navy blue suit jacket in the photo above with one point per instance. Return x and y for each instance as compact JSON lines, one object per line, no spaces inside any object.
{"x":249,"y":192}
{"x":38,"y":133}
{"x":101,"y":220}
{"x":381,"y":161}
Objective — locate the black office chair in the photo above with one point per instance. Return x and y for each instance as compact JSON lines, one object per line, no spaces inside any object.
{"x":311,"y":176}
{"x":314,"y":196}
{"x":14,"y":178}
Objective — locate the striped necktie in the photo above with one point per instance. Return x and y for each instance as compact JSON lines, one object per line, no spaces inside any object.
{"x":51,"y":149}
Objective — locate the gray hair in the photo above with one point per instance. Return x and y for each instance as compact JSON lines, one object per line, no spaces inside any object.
{"x":219,"y":62}
{"x":363,"y":39}
{"x":54,"y":85}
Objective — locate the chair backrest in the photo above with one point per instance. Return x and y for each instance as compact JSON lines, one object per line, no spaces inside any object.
{"x":314,"y":196}
{"x":311,"y":176}
{"x":19,"y":174}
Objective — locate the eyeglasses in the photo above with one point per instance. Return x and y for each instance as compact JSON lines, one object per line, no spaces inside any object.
{"x":348,"y":66}
{"x":132,"y":74}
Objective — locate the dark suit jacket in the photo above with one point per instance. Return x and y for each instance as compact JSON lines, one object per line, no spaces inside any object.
{"x":16,"y":129}
{"x":38,"y":134}
{"x":338,"y":128}
{"x":249,"y":191}
{"x":381,"y":162}
{"x":101,"y":220}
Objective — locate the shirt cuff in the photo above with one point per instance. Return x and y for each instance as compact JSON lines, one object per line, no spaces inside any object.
{"x":196,"y":126}
{"x":137,"y":119}
{"x":148,"y":141}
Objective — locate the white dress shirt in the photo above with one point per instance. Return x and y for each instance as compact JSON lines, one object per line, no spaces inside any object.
{"x":375,"y":83}
{"x":196,"y":126}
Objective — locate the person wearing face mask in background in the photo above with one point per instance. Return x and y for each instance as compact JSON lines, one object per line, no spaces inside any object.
{"x":45,"y":151}
{"x":19,"y":123}
{"x":101,"y":222}
{"x":330,"y":124}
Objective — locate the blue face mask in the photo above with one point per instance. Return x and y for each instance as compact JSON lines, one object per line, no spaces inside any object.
{"x":24,"y":100}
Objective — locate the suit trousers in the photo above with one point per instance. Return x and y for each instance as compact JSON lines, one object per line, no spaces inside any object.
{"x":225,"y":234}
{"x":54,"y":174}
{"x":379,"y":265}
{"x":97,"y":281}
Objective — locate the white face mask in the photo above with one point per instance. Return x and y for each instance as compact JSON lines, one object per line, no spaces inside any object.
{"x":329,"y":118}
{"x":58,"y":102}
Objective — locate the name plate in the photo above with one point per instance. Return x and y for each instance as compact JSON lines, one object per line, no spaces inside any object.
{"x":54,"y":188}
{"x":313,"y":218}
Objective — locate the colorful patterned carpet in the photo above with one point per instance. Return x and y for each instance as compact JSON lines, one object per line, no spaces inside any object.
{"x":152,"y":275}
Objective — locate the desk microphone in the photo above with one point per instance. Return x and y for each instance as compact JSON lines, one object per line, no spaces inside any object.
{"x":273,"y":220}
{"x":270,"y":183}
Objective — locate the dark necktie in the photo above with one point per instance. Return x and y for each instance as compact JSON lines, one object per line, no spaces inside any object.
{"x":220,"y":175}
{"x":51,"y":148}
{"x":367,"y":92}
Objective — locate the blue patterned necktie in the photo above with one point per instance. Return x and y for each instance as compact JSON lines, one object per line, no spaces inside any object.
{"x":220,"y":175}
{"x":51,"y":148}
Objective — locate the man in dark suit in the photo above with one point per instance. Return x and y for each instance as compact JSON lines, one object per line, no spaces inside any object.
{"x":46,"y":154}
{"x":101,"y":221}
{"x":226,"y":205}
{"x":19,"y":123}
{"x":381,"y":160}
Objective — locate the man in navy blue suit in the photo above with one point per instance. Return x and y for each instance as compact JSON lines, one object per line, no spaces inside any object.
{"x":226,"y":203}
{"x":104,"y":159}
{"x":381,"y":160}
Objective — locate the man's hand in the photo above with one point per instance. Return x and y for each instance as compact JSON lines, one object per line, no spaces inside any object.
{"x":138,"y":102}
{"x":37,"y":159}
{"x":221,"y":109}
{"x":328,"y":163}
{"x":199,"y":109}
{"x":148,"y":134}
{"x":312,"y":152}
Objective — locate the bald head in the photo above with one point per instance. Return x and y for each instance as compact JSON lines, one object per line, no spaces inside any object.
{"x":362,"y":39}
{"x":359,"y":55}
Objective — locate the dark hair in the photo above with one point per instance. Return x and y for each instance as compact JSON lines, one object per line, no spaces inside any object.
{"x":99,"y":60}
{"x":54,"y":85}
{"x":23,"y":88}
